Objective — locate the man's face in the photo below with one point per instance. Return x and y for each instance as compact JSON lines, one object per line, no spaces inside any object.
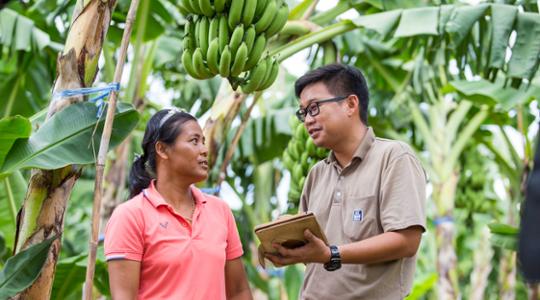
{"x":328,"y":127}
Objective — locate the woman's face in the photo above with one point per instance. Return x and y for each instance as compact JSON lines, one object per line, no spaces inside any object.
{"x":187,"y":156}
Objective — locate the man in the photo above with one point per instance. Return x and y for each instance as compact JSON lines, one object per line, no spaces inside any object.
{"x":368,"y":196}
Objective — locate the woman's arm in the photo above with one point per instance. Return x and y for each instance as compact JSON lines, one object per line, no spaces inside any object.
{"x":124,"y":279}
{"x":236,"y":282}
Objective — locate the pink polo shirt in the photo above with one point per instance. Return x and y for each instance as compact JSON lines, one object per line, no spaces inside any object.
{"x":178,"y":261}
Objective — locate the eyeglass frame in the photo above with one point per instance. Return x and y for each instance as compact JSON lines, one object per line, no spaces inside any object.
{"x":302,"y":113}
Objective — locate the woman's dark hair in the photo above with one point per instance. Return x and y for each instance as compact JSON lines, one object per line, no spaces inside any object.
{"x":340,"y":80}
{"x":164,"y":126}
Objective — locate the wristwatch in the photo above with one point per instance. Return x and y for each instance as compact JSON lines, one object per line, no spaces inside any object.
{"x":335,"y":259}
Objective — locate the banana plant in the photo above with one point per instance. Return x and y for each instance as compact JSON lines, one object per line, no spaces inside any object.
{"x":77,"y":67}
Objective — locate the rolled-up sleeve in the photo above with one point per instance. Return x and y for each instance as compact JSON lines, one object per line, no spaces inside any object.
{"x":124,"y":235}
{"x":403,"y":194}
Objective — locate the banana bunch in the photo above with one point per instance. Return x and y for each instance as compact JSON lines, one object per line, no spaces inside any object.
{"x":229,"y":38}
{"x":299,"y":157}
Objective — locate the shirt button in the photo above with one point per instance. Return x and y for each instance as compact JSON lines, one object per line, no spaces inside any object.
{"x":338,"y":194}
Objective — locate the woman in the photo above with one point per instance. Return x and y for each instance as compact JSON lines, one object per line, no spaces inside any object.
{"x":170,"y":241}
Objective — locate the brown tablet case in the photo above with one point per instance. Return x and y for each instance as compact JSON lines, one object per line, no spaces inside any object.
{"x":288,"y":231}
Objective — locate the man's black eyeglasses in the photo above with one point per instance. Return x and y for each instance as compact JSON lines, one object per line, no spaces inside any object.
{"x":313,"y":108}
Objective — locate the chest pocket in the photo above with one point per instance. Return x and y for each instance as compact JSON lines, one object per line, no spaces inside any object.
{"x":360,"y":217}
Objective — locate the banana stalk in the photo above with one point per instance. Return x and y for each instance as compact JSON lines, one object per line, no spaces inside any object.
{"x":482,"y":266}
{"x":42,"y":213}
{"x":445,"y":141}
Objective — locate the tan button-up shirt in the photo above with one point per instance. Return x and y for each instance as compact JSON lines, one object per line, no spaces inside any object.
{"x":381,"y":190}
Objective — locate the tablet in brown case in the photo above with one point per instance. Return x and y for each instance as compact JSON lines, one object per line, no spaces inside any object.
{"x":288,"y":231}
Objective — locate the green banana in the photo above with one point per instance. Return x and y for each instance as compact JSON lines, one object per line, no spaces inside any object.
{"x":297,"y":172}
{"x":236,"y":38}
{"x":184,"y":11}
{"x":206,"y":8}
{"x":196,"y":7}
{"x":299,"y":132}
{"x":223,"y":35}
{"x":311,"y":149}
{"x":235,"y":13}
{"x":198,"y":64}
{"x":254,"y":78}
{"x":287,"y":161}
{"x":321,"y":152}
{"x":202,"y":35}
{"x":249,"y":37}
{"x":267,"y":17}
{"x":195,"y":27}
{"x":295,"y":27}
{"x":279,"y":21}
{"x":187,"y":5}
{"x":256,"y":52}
{"x":267,"y":61}
{"x":213,"y":30}
{"x":295,"y":155}
{"x":225,"y":62}
{"x":248,"y":13}
{"x":330,"y":52}
{"x":305,"y":163}
{"x":187,"y":62}
{"x":219,"y":5}
{"x":271,"y":76}
{"x":239,"y":60}
{"x":213,"y":56}
{"x":261,"y":5}
{"x":302,"y":181}
{"x":188,"y":43}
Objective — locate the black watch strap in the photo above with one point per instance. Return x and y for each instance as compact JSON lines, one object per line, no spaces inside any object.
{"x":335,"y":259}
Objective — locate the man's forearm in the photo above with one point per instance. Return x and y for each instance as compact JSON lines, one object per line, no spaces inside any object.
{"x":384,"y":247}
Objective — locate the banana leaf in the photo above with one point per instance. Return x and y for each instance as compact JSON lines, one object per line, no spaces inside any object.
{"x":18,"y":32}
{"x":495,"y":94}
{"x":418,"y":21}
{"x":505,"y":16}
{"x":22,"y":269}
{"x":68,"y":137}
{"x":524,"y":60}
{"x":12,"y":191}
{"x":11,"y":129}
{"x":383,"y":23}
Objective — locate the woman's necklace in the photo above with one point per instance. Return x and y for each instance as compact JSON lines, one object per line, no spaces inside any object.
{"x":190,"y":218}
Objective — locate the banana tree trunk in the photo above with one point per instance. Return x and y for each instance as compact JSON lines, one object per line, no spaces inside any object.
{"x":482,"y":266}
{"x":443,"y":194}
{"x":42,"y":213}
{"x":507,"y":279}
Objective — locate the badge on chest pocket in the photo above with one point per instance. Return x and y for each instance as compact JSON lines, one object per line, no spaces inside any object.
{"x":357,"y":215}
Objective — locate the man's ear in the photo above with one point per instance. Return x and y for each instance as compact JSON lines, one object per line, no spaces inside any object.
{"x":161,"y":150}
{"x":353,"y":105}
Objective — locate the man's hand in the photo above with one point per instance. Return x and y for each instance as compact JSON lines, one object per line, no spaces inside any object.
{"x":315,"y":251}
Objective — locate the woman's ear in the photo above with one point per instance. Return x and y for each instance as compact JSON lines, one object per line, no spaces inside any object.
{"x":161,"y":150}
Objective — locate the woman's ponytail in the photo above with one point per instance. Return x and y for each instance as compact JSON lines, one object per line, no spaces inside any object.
{"x":139,"y":177}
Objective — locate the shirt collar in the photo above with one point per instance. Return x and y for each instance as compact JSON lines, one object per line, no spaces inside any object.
{"x":155,"y":198}
{"x":362,"y":149}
